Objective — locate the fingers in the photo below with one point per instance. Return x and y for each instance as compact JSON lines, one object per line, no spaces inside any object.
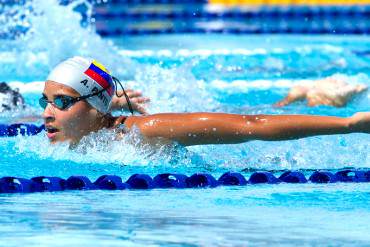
{"x":360,"y":88}
{"x":136,"y":99}
{"x":140,"y":109}
{"x":280,"y":103}
{"x":130,"y":93}
{"x":138,"y":104}
{"x":286,"y":101}
{"x":139,"y":100}
{"x":133,"y":94}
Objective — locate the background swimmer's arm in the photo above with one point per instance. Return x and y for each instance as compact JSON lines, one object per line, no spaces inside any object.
{"x":217,"y":128}
{"x":136,"y":98}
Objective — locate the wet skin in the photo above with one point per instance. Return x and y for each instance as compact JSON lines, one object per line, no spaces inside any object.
{"x":193,"y":128}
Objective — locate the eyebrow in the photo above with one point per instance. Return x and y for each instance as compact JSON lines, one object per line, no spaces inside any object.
{"x":60,"y":95}
{"x":56,"y":95}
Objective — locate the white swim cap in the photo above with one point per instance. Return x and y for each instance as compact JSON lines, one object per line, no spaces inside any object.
{"x":86,"y":76}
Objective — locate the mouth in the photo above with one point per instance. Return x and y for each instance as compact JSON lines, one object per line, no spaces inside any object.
{"x":51,"y":132}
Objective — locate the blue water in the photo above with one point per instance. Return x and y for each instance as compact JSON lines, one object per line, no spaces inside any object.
{"x":239,"y":74}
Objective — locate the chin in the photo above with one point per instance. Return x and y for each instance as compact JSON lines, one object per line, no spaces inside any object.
{"x":54,"y":141}
{"x":58,"y":139}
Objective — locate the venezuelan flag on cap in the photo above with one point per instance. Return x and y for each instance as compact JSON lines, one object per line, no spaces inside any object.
{"x":101,"y":75}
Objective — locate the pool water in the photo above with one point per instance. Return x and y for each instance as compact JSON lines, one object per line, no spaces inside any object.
{"x":186,"y":73}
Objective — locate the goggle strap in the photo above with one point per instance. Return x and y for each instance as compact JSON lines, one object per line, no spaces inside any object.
{"x":124,"y":93}
{"x":89,"y":95}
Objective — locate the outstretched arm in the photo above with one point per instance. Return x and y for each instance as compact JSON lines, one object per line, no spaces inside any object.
{"x":217,"y":128}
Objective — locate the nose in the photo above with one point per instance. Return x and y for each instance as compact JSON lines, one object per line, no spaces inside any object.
{"x":48,"y":114}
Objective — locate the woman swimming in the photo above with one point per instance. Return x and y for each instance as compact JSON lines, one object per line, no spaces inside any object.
{"x":79,"y":91}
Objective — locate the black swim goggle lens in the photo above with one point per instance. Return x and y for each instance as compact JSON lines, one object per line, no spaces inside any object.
{"x":63,"y":102}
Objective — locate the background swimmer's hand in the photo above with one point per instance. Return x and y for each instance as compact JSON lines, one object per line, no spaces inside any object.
{"x":136,"y":98}
{"x":360,"y":122}
{"x":296,"y":93}
{"x":328,"y":91}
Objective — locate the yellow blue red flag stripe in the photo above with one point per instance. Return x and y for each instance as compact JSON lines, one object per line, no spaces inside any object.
{"x":100,"y":74}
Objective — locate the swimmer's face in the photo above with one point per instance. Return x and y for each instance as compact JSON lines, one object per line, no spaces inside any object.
{"x":72,"y":123}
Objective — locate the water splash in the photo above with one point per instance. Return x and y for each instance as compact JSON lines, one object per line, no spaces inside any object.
{"x":174,"y":89}
{"x":51,"y":33}
{"x":104,"y":147}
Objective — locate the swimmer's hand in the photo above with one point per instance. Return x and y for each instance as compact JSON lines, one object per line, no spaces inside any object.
{"x":360,"y":122}
{"x":329,"y":91}
{"x":296,"y":93}
{"x":136,"y":98}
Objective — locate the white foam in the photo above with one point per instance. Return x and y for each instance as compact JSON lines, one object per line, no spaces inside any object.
{"x":54,"y":34}
{"x":194,"y":52}
{"x":104,"y":147}
{"x":246,"y":85}
{"x":30,"y":87}
{"x":227,"y":51}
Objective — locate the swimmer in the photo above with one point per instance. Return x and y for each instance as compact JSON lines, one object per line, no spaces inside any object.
{"x":78,"y":93}
{"x":329,"y":91}
{"x":10,"y":99}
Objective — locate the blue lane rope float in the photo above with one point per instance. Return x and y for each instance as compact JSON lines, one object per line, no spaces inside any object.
{"x":352,"y":176}
{"x":232,"y":178}
{"x":48,"y":183}
{"x":263,"y":177}
{"x":323,"y":177}
{"x":293,"y":177}
{"x":172,"y":180}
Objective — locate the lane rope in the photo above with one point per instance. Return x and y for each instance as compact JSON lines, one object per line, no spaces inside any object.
{"x":176,"y":181}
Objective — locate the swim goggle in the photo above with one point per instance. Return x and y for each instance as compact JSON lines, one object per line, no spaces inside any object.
{"x":63,"y":102}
